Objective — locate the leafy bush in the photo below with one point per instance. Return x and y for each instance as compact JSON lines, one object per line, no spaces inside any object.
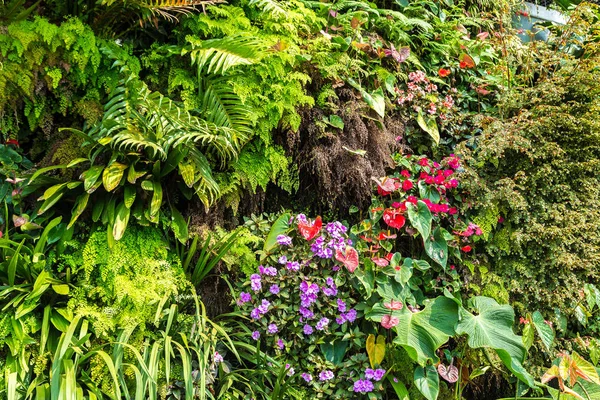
{"x":534,"y":180}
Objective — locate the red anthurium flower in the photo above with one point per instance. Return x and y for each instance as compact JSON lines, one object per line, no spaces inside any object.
{"x":389,"y":256}
{"x":381,"y":262}
{"x":349,"y":258}
{"x":393,"y":305}
{"x":388,"y":322}
{"x":466,"y":249}
{"x":366,"y":239}
{"x":394,"y":218}
{"x":309,"y":231}
{"x":444,"y":72}
{"x":386,"y":185}
{"x":384,"y":236}
{"x":13,"y":141}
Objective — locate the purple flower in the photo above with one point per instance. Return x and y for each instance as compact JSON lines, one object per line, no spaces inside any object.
{"x":264,"y":307}
{"x":307,"y":299}
{"x":322,"y":324}
{"x":330,"y":291}
{"x":244,"y":298}
{"x":255,"y":283}
{"x":378,"y":374}
{"x":350,"y":316}
{"x":282,"y":260}
{"x":340,"y":320}
{"x":336,"y":229}
{"x":309,"y":288}
{"x":290,"y":370}
{"x":301,"y":218}
{"x":369,"y":373}
{"x":307,"y":377}
{"x":280,"y":344}
{"x":363,"y":386}
{"x":341,"y":304}
{"x":255,"y":314}
{"x":284,"y":240}
{"x":272,"y":329}
{"x":256,"y":335}
{"x":274,"y":289}
{"x":306,"y":313}
{"x":320,"y":248}
{"x":270,"y":271}
{"x":329,"y":281}
{"x":293,"y":265}
{"x":325,"y":375}
{"x":308,"y":329}
{"x":217,"y":357}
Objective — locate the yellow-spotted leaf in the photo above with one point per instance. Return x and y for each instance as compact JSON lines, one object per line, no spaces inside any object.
{"x":112,"y":175}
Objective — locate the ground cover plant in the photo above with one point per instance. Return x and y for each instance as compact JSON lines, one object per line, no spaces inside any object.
{"x":260,"y":199}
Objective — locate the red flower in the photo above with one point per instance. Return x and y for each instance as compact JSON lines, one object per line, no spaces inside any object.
{"x":394,"y":218}
{"x":309,"y":231}
{"x":423,"y":162}
{"x":393,"y":305}
{"x":412,"y":199}
{"x":429,"y":180}
{"x":407,"y":185}
{"x":384,"y":236}
{"x":466,"y":249}
{"x":444,"y":72}
{"x":453,"y":210}
{"x":462,"y":64}
{"x":389,"y":257}
{"x":13,"y":141}
{"x":405,"y":173}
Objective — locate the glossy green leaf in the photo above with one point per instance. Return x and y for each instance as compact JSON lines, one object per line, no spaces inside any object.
{"x":399,"y":388}
{"x":279,"y":227}
{"x":129,"y":196}
{"x":157,"y":198}
{"x":422,"y":333}
{"x":121,"y":221}
{"x":187,"y":172}
{"x":112,"y":176}
{"x":437,"y":249}
{"x":78,"y":208}
{"x":420,"y":218}
{"x":427,"y":381}
{"x":545,"y":331}
{"x":179,"y":225}
{"x":491,"y":326}
{"x":90,"y":176}
{"x":429,"y":125}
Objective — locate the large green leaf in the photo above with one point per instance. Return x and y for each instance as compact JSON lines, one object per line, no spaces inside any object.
{"x":427,"y":381}
{"x":437,"y":249}
{"x":544,"y":330}
{"x":491,"y":326}
{"x":429,"y":125}
{"x":420,"y":218}
{"x":179,"y":225}
{"x":90,"y":176}
{"x":422,"y":333}
{"x":279,"y":227}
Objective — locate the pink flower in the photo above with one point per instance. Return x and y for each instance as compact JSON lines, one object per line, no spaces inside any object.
{"x":407,"y":185}
{"x":405,"y":173}
{"x":393,"y":305}
{"x":381,"y":262}
{"x":388,"y":321}
{"x":423,"y":162}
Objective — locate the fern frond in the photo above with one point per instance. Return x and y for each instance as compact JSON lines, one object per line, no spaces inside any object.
{"x":222,"y":107}
{"x":216,"y":56}
{"x":273,"y":7}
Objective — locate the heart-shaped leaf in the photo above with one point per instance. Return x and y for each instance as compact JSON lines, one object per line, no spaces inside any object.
{"x":375,"y":349}
{"x":427,"y":381}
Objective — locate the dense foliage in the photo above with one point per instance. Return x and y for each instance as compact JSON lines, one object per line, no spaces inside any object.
{"x":291,"y":200}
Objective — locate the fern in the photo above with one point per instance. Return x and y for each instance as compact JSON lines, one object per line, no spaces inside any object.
{"x":272,"y":7}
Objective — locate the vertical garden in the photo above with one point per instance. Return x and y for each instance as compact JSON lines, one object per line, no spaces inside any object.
{"x":261,"y":199}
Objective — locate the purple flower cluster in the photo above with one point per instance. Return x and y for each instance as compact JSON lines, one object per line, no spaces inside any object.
{"x":363,"y":386}
{"x":293,"y":265}
{"x":320,"y":248}
{"x":336,"y":229}
{"x":322,"y":324}
{"x":307,"y":377}
{"x":375,"y":375}
{"x":272,"y":329}
{"x":366,"y":385}
{"x":326,"y":375}
{"x":269,"y":271}
{"x":309,"y":293}
{"x":255,"y":282}
{"x":284,"y":240}
{"x":260,"y":310}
